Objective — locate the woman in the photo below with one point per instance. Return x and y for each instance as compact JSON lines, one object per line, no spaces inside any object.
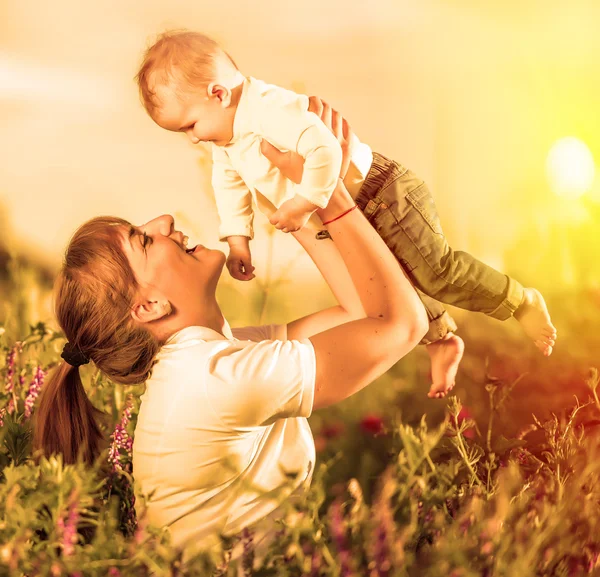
{"x":223,"y":421}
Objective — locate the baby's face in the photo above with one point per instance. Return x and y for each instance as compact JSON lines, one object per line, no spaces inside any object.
{"x":202,"y":116}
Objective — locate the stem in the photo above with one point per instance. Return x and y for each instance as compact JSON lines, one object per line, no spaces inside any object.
{"x":433,"y":469}
{"x":489,"y":432}
{"x":266,"y":286}
{"x":463,"y":452}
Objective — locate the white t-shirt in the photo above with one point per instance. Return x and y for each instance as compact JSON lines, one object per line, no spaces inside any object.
{"x":241,"y":174}
{"x":222,"y":423}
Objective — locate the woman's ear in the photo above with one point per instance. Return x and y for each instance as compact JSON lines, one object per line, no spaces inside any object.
{"x":221,"y":92}
{"x":151,"y":310}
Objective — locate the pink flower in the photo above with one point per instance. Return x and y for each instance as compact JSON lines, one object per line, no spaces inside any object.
{"x":320,"y":443}
{"x":120,"y":439}
{"x":333,"y":430}
{"x":68,"y":530}
{"x":464,"y":415}
{"x":34,"y":390}
{"x":337,"y":527}
{"x":11,"y":357}
{"x":372,"y":424}
{"x":2,"y":413}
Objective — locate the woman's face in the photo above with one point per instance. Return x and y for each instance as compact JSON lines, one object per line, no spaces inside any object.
{"x":166,"y":271}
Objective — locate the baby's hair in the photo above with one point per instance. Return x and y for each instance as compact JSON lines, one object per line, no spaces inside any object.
{"x":191,"y":59}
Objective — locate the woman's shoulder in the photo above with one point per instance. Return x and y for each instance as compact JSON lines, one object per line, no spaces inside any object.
{"x":260,"y":333}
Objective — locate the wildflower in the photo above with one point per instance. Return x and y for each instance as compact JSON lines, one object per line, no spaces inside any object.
{"x":11,"y":357}
{"x":120,"y":439}
{"x":466,"y":415}
{"x":333,"y":430}
{"x":336,"y":523}
{"x":2,"y":413}
{"x":372,"y":424}
{"x":320,"y":443}
{"x":140,"y":532}
{"x":315,"y":563}
{"x":34,"y":390}
{"x":383,"y":532}
{"x":10,"y":407}
{"x":248,"y":553}
{"x":68,"y":530}
{"x":114,"y":572}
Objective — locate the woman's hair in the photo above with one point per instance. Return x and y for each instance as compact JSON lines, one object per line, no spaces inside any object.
{"x":93,"y":295}
{"x":189,"y":58}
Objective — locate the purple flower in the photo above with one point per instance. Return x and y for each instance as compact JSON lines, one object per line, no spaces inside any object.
{"x":315,"y":563}
{"x":338,"y":530}
{"x":248,"y":554}
{"x":11,"y":357}
{"x":34,"y":390}
{"x":68,"y":530}
{"x":120,"y":439}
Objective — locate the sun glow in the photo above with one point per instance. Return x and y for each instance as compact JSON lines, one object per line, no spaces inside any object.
{"x":570,"y":168}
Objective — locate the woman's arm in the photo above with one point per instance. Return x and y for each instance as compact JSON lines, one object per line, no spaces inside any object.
{"x":327,"y":258}
{"x":351,"y":355}
{"x":324,"y":253}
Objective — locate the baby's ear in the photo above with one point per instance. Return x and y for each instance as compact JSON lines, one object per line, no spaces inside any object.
{"x":221,"y":92}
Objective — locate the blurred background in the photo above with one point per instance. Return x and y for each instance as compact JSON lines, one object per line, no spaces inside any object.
{"x":494,"y":105}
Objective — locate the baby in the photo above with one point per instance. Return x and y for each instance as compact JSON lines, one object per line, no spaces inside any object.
{"x":189,"y":84}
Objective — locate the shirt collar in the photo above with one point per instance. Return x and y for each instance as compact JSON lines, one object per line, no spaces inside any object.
{"x":200,"y":333}
{"x":241,"y":112}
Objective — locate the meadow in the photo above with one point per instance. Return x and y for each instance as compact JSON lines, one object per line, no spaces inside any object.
{"x":499,"y":479}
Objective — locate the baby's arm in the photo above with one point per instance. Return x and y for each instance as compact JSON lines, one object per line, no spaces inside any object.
{"x":234,"y":205}
{"x":292,"y":214}
{"x":239,"y":260}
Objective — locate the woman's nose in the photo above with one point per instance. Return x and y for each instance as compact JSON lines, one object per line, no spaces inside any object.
{"x":161,"y":225}
{"x":167,"y":224}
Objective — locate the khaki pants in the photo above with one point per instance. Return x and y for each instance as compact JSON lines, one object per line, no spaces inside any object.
{"x":401,"y":208}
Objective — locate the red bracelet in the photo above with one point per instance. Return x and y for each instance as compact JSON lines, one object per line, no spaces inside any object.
{"x":340,"y":216}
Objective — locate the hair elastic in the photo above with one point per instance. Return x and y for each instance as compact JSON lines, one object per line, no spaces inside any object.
{"x":74,"y":356}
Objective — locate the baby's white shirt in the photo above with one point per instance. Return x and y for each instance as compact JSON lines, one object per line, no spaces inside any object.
{"x":241,"y":174}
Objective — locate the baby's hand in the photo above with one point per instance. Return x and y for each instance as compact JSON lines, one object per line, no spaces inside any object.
{"x":293,"y":214}
{"x":239,"y":261}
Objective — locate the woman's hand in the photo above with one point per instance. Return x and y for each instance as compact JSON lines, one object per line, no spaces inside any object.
{"x":291,"y":164}
{"x":338,"y":125}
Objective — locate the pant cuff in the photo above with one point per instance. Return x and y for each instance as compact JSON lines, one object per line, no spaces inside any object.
{"x":511,"y":302}
{"x":439,"y":328}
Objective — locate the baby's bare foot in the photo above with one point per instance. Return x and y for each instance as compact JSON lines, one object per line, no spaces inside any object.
{"x":446,"y":355}
{"x":535,"y":320}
